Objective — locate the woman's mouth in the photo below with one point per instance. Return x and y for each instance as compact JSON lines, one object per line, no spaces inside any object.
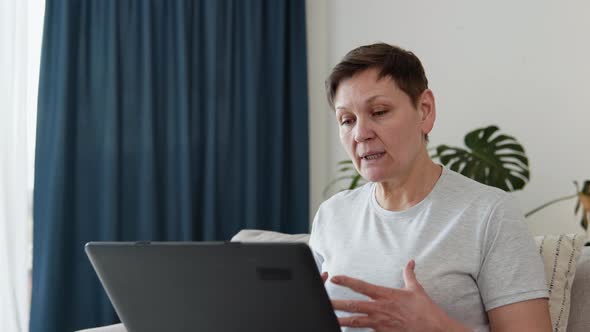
{"x":373,"y":156}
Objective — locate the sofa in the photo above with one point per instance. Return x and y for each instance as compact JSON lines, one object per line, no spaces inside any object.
{"x":578,"y":317}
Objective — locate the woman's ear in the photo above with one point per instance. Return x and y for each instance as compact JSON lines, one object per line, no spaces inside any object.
{"x":427,"y":111}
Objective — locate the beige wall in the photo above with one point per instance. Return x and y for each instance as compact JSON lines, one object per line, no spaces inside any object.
{"x":522,"y":65}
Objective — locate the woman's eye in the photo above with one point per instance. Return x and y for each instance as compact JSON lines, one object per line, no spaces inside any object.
{"x":346,"y":122}
{"x":379,"y":112}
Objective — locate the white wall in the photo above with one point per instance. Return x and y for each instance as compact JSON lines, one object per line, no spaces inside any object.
{"x":522,"y":65}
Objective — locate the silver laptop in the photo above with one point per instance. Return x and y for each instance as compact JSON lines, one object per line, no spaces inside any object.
{"x":213,"y":286}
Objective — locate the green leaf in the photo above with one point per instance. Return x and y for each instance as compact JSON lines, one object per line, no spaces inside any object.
{"x":520,"y":157}
{"x":355,"y":181}
{"x":511,"y":146}
{"x":502,"y":138}
{"x":491,"y":158}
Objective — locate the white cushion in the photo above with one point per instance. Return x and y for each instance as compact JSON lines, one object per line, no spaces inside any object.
{"x":111,"y":328}
{"x":255,"y":235}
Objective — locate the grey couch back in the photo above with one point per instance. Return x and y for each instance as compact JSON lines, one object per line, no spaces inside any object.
{"x":579,"y":320}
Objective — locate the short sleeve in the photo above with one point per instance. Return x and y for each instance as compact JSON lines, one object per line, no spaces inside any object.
{"x":511,"y":268}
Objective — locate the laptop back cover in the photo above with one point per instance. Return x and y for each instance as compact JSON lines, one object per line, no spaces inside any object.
{"x":222,"y":287}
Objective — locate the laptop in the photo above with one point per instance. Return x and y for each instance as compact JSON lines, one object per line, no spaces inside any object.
{"x":213,"y":286}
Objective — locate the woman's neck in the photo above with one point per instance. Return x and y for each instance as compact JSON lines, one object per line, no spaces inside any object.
{"x":408,"y":190}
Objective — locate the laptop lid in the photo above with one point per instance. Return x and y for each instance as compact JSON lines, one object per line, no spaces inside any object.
{"x":213,"y":286}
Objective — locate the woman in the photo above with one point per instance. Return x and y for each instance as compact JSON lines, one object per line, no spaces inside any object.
{"x":419,"y":247}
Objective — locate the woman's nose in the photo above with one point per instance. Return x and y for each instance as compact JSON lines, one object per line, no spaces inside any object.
{"x":363,"y":131}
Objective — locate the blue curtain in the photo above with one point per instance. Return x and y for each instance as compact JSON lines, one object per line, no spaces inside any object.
{"x":162,"y":120}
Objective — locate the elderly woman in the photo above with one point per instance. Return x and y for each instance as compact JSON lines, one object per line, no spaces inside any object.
{"x":419,"y":247}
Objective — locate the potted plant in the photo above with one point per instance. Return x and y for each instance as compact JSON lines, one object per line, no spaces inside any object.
{"x":583,"y":203}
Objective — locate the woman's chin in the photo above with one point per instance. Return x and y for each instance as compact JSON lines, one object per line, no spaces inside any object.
{"x":373,"y":176}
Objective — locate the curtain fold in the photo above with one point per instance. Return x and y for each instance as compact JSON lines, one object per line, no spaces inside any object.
{"x":162,"y":120}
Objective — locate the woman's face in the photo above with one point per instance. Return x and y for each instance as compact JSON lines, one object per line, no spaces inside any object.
{"x":380,"y":128}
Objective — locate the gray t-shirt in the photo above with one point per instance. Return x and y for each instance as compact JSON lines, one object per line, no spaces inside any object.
{"x":472,"y":249}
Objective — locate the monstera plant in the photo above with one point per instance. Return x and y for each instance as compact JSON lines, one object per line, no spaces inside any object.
{"x":489,"y":157}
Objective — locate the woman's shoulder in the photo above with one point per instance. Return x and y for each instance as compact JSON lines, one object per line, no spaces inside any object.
{"x":349,"y":196}
{"x":340,"y":206}
{"x":458,"y":184}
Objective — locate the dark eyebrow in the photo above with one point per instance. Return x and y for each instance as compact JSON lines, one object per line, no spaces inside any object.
{"x":370,"y":100}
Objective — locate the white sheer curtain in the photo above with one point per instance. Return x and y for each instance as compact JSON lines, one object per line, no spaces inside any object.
{"x":21,"y":25}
